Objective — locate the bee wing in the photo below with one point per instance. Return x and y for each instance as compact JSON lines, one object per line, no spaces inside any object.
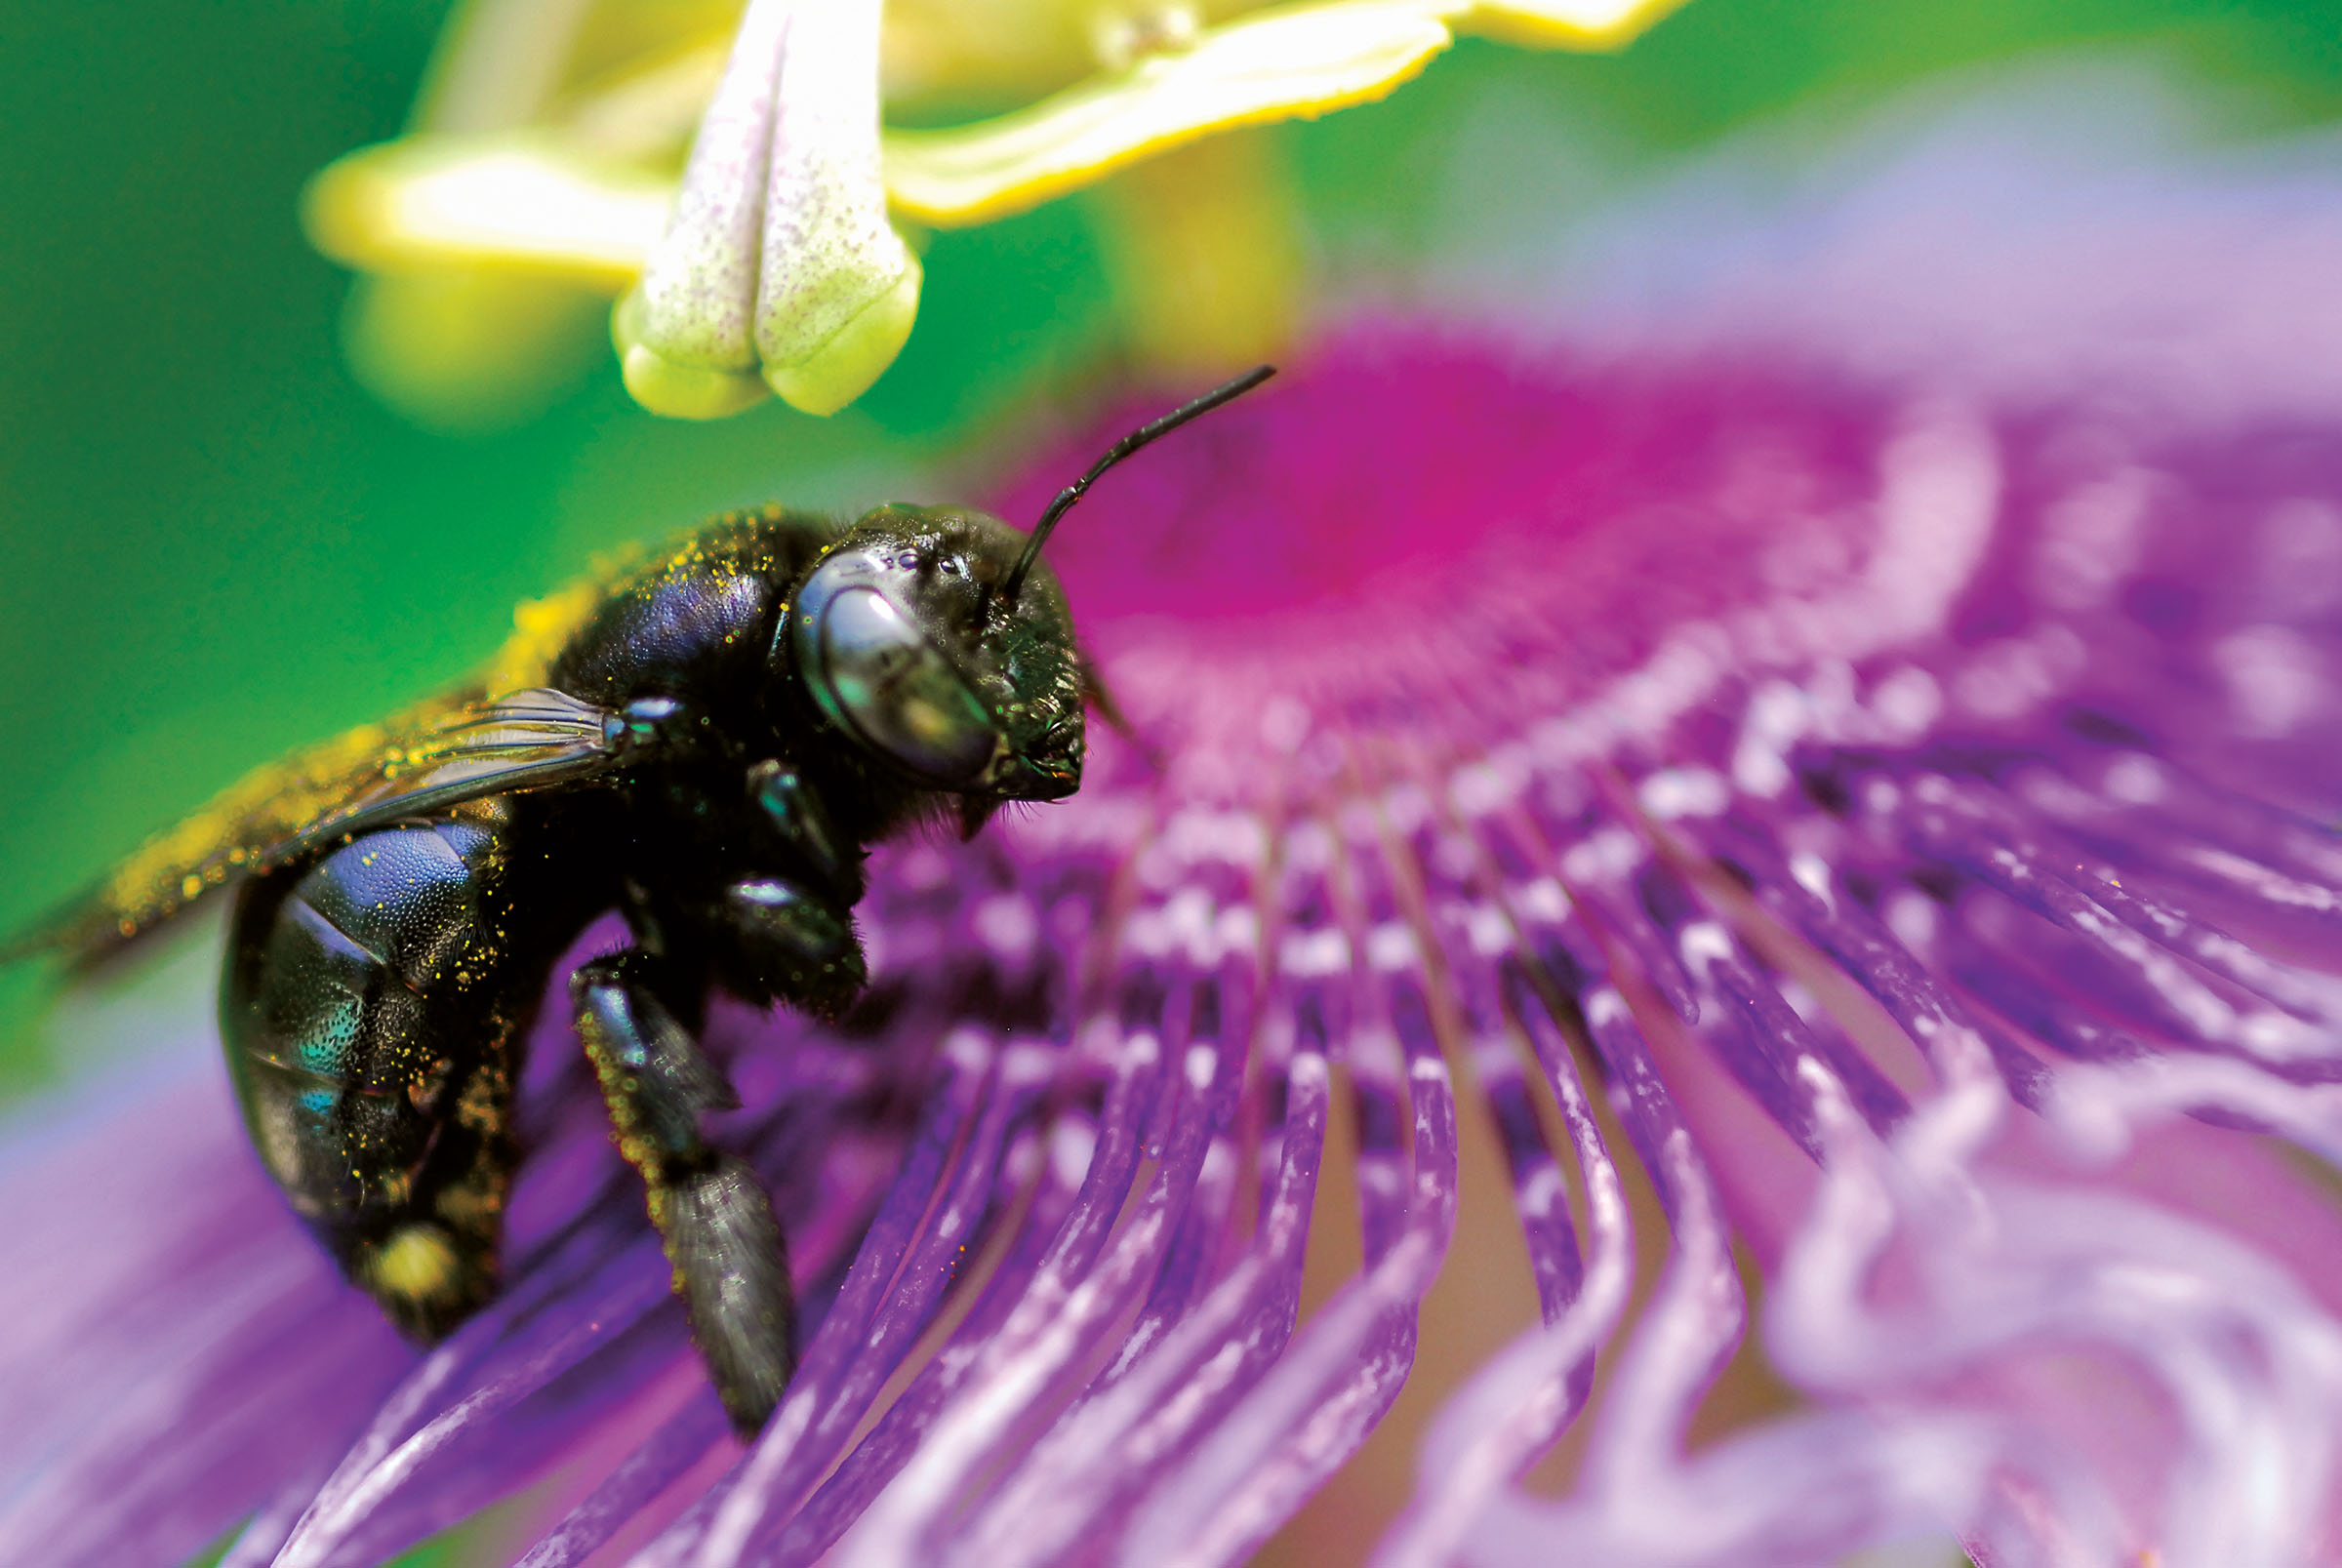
{"x":458,"y":748}
{"x":527,"y":741}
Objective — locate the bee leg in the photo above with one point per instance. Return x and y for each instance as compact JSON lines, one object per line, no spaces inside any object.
{"x":793,"y":809}
{"x":973,"y":812}
{"x":1101,"y":697}
{"x":791,"y":942}
{"x":713,"y":1215}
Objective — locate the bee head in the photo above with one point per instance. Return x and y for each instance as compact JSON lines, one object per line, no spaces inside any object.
{"x":906,"y":640}
{"x":938,"y":639}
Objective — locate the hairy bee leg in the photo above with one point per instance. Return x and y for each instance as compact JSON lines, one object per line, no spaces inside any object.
{"x":794,"y":810}
{"x":725,"y":1248}
{"x":794,"y":942}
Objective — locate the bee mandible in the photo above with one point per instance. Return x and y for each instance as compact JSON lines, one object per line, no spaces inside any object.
{"x":708,"y":740}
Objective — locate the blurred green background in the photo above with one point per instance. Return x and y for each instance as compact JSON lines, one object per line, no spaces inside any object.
{"x":217,"y":546}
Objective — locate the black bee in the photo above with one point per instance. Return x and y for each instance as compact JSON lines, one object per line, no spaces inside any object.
{"x":706,"y":739}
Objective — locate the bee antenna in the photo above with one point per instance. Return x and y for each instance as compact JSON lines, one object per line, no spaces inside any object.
{"x":1114,"y":454}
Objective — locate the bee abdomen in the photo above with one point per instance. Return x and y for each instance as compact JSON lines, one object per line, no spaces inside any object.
{"x":365,"y":1014}
{"x":348,"y":975}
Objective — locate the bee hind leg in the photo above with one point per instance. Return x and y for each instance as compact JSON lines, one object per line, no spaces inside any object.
{"x":713,"y":1215}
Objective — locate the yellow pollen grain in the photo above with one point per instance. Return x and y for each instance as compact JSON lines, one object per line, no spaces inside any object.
{"x":465,"y":1207}
{"x":416,"y":1261}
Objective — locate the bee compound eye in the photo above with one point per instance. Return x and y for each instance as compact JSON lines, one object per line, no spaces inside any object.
{"x":898,"y":692}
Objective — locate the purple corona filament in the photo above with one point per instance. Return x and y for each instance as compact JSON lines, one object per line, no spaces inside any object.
{"x":1885,"y":835}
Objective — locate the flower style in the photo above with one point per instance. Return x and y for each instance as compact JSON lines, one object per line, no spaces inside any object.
{"x":1885,"y":821}
{"x":776,"y":265}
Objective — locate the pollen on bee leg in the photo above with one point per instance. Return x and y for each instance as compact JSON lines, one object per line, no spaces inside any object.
{"x":417,"y":1262}
{"x":468,"y":1208}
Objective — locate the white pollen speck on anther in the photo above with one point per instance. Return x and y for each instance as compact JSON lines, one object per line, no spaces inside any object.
{"x":2277,"y":679}
{"x":1006,"y":924}
{"x":2300,"y":558}
{"x":1148,"y":933}
{"x":1939,"y":497}
{"x":1071,"y":1144}
{"x":2090,"y":538}
{"x":1812,"y":873}
{"x":1141,"y":1047}
{"x":1314,"y":954}
{"x":1543,"y":1194}
{"x":1541,"y":899}
{"x":1308,"y":847}
{"x":1407,"y":807}
{"x":1284,"y":724}
{"x":1779,"y":714}
{"x":967,"y":1048}
{"x":1911,"y":916}
{"x":1907,"y":703}
{"x":1480,"y":787}
{"x":1391,"y":947}
{"x":1188,"y":921}
{"x":1487,"y":929}
{"x":1201,"y":1063}
{"x":1674,"y":792}
{"x":2134,"y":780}
{"x":1704,"y":943}
{"x":1609,"y":855}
